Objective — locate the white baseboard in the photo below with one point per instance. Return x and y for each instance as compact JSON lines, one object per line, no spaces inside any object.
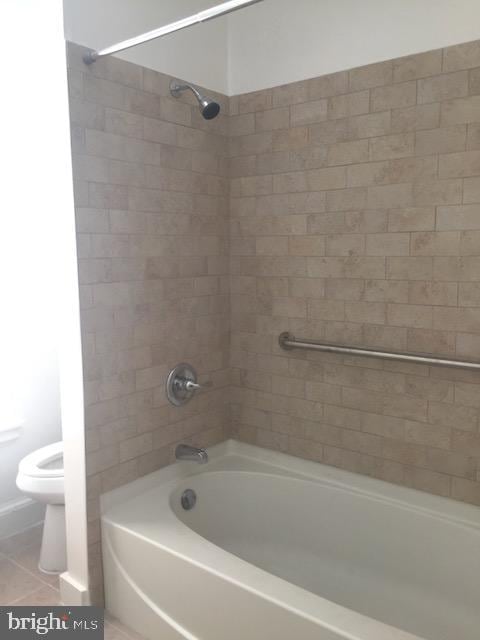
{"x":18,"y":515}
{"x":72,"y":593}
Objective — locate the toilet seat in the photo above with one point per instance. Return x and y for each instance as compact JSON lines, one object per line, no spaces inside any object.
{"x":35,"y":465}
{"x":37,"y":480}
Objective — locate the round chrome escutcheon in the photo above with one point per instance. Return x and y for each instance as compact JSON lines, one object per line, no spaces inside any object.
{"x":178,"y":393}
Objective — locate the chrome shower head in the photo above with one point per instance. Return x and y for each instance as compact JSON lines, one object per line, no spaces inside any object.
{"x":208,"y":107}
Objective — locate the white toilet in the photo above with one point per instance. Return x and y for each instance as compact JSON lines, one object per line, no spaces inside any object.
{"x":40,"y":476}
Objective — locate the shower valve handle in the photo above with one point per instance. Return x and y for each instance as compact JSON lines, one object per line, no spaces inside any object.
{"x":190,"y":385}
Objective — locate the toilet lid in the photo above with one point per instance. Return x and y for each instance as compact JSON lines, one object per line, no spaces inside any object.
{"x":46,"y":462}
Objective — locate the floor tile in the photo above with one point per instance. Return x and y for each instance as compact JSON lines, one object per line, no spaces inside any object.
{"x":44,"y":597}
{"x":112,"y":633}
{"x":123,"y":632}
{"x":22,"y":540}
{"x":15,"y":582}
{"x":28,"y":559}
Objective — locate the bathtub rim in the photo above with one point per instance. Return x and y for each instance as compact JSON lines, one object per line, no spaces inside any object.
{"x":445,"y":508}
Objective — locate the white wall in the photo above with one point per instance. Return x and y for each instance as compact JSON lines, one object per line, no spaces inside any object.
{"x":280,"y":41}
{"x":197,"y":54}
{"x":29,"y":367}
{"x":29,"y":379}
{"x":40,"y":320}
{"x":30,"y":405}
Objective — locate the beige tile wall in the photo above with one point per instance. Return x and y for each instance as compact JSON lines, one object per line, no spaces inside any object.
{"x":151,"y":205}
{"x":355,"y":218}
{"x":354,"y":209}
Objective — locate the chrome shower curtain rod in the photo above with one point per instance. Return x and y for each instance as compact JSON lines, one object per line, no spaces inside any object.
{"x":203,"y":16}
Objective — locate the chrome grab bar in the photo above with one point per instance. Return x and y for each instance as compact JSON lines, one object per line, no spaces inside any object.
{"x":288,"y":341}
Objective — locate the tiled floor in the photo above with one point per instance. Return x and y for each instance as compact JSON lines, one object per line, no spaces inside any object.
{"x":115,"y":630}
{"x":22,"y":583}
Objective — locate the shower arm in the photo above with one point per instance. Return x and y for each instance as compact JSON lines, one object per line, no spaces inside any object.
{"x":184,"y":23}
{"x":176,"y":90}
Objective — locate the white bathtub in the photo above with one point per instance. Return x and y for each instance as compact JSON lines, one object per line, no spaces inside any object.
{"x":279,"y":548}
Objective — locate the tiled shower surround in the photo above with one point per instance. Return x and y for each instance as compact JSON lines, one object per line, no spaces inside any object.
{"x":353,"y":202}
{"x":151,"y":191}
{"x":355,"y":218}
